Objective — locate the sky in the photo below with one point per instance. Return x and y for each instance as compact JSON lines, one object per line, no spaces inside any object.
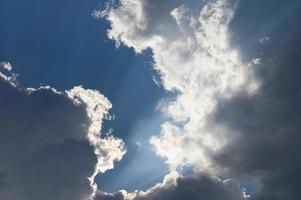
{"x":150,"y":100}
{"x":65,"y":49}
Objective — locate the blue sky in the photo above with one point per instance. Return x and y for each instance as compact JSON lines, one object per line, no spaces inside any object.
{"x":59,"y":43}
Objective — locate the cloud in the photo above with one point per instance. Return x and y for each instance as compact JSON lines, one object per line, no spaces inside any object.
{"x":236,"y":113}
{"x":268,"y":122}
{"x":190,"y":41}
{"x":232,"y":118}
{"x":200,"y":186}
{"x":50,"y":142}
{"x":6,"y":65}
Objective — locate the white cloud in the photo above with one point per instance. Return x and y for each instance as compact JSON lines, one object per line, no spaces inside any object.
{"x":221,"y":109}
{"x":191,"y":48}
{"x":190,"y":41}
{"x":108,"y":149}
{"x":8,"y":75}
{"x":6,"y":65}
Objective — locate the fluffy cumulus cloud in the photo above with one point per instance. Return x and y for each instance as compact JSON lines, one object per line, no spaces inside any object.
{"x":191,"y":48}
{"x":236,"y":113}
{"x":50,"y":144}
{"x":190,"y":41}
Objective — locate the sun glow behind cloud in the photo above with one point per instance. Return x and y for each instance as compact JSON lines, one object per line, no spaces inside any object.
{"x":192,"y":53}
{"x":193,"y":56}
{"x":141,"y":163}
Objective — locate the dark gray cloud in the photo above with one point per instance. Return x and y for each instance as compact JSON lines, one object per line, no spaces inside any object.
{"x":55,"y":172}
{"x":198,"y":186}
{"x":2,"y":180}
{"x":268,"y":122}
{"x":256,"y":20}
{"x":109,"y":196}
{"x":49,"y":142}
{"x":44,"y":153}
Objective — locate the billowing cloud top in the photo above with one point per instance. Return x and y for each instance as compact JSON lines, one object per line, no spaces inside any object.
{"x":192,"y":53}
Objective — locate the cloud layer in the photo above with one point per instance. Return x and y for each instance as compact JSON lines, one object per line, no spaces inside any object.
{"x":198,"y":186}
{"x":50,"y":145}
